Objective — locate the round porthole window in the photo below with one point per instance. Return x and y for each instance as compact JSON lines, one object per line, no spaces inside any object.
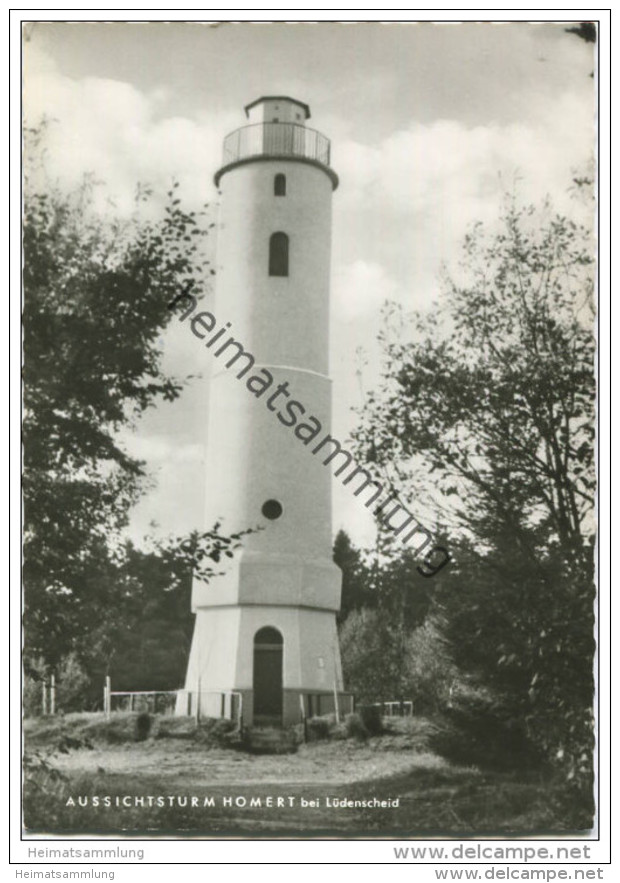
{"x":272,"y":509}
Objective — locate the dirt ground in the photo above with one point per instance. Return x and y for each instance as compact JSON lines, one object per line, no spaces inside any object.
{"x":318,"y":763}
{"x":180,"y":781}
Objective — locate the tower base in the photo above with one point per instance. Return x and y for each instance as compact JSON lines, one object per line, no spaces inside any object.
{"x":264,"y":665}
{"x":238,"y":706}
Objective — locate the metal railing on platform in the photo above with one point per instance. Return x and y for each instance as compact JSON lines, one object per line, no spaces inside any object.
{"x":276,"y":139}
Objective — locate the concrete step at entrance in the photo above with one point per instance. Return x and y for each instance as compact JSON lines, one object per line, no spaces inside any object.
{"x":269,"y":740}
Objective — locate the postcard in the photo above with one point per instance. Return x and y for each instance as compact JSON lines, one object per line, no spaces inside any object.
{"x":309,"y":417}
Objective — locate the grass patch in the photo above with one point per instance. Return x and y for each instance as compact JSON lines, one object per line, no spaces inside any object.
{"x":199,"y":786}
{"x":122,"y":728}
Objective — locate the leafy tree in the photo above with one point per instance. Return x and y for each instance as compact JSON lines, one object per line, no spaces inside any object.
{"x":144,"y":643}
{"x":396,"y":585}
{"x":384,"y":601}
{"x":96,"y":294}
{"x":355,"y":590}
{"x":385,"y":661}
{"x":371,"y":579}
{"x":586,"y":30}
{"x":34,"y":678}
{"x":367,"y":643}
{"x":526,"y":635}
{"x":431,"y":672}
{"x":72,"y":684}
{"x":488,"y":413}
{"x":485,"y":415}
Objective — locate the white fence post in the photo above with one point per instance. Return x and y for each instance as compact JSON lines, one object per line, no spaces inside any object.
{"x":107,"y":696}
{"x":53,"y":695}
{"x":335,"y":670}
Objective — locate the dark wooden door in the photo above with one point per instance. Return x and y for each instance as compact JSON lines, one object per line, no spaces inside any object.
{"x":267,"y":683}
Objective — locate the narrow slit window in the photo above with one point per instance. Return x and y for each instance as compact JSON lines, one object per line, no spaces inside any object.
{"x":278,"y":254}
{"x":279,"y":185}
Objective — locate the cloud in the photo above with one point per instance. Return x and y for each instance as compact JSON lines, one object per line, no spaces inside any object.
{"x":446,"y":166}
{"x":158,"y":450}
{"x":112,"y":129}
{"x":403,"y":205}
{"x":406,"y":202}
{"x":360,"y":289}
{"x":176,"y":468}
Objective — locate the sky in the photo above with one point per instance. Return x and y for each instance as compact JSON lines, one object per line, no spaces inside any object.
{"x":430,"y":123}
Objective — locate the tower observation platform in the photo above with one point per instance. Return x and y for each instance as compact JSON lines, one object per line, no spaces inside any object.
{"x":276,"y":137}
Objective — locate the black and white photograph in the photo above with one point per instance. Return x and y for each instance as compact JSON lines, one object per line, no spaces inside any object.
{"x":309,"y":430}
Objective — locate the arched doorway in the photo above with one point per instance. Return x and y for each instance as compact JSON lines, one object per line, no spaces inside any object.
{"x":267,"y":680}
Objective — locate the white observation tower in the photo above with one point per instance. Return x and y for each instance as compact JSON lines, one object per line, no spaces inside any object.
{"x":265,"y":632}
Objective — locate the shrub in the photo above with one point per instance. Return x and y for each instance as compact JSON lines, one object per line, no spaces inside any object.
{"x":371,"y":718}
{"x":318,"y":728}
{"x":269,"y":740}
{"x":479,"y":729}
{"x":338,"y":732}
{"x":120,"y":728}
{"x":34,"y":677}
{"x":365,"y":640}
{"x":431,"y":672}
{"x":169,"y":727}
{"x":143,"y":726}
{"x":72,"y":685}
{"x":214,"y":729}
{"x":355,"y":727}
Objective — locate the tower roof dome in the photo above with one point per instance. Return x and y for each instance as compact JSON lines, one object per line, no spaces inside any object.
{"x":285,"y":99}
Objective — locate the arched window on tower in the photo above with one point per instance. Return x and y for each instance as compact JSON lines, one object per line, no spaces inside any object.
{"x":279,"y":185}
{"x":278,"y":254}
